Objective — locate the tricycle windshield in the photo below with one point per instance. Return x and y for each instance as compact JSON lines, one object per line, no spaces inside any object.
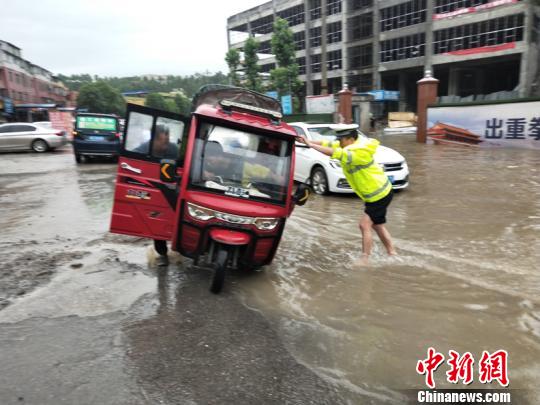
{"x":240,"y":163}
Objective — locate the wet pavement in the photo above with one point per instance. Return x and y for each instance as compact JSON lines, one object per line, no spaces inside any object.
{"x":87,"y":318}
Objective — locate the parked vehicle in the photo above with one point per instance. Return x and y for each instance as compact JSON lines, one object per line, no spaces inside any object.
{"x":96,"y":135}
{"x":326,"y":175}
{"x":44,"y":124}
{"x":16,"y":136}
{"x":218,"y":184}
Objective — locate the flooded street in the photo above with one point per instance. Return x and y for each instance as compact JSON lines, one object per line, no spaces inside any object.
{"x":86,"y":317}
{"x":467,"y":278}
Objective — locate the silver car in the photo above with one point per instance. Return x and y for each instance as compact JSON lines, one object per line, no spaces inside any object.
{"x":24,"y":136}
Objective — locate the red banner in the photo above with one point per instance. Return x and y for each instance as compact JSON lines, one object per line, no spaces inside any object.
{"x":483,"y":49}
{"x":468,"y":10}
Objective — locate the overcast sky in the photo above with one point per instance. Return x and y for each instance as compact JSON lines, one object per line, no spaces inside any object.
{"x":121,"y":37}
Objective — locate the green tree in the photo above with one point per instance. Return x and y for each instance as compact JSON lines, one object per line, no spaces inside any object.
{"x":170,"y":105}
{"x":284,"y":78}
{"x":251,"y":68}
{"x":283,"y":43}
{"x":183,"y":104}
{"x":232,"y":58}
{"x":156,"y":100}
{"x":99,"y":97}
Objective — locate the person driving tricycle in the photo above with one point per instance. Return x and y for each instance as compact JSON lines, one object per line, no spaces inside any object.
{"x":234,"y":168}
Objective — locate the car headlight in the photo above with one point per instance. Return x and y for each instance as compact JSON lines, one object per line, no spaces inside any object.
{"x":200,"y":213}
{"x":336,"y":164}
{"x":266,"y":224}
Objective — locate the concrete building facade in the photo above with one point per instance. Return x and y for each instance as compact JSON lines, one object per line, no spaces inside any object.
{"x":474,"y":47}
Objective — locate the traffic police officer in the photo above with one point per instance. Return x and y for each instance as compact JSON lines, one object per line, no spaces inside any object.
{"x":366,"y":178}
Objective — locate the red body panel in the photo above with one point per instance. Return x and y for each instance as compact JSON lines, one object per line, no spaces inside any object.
{"x":141,"y":209}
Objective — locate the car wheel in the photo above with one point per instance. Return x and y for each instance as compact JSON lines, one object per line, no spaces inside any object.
{"x":319,"y":181}
{"x":78,"y":158}
{"x":39,"y":145}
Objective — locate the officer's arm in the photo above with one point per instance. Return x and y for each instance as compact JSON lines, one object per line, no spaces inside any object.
{"x":323,"y":149}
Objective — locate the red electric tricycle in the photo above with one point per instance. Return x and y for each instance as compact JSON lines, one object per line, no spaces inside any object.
{"x":218,"y":185}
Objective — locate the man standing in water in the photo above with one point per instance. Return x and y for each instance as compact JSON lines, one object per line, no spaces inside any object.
{"x":368,"y":181}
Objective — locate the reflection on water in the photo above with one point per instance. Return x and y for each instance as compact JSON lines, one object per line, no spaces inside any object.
{"x":467,"y":278}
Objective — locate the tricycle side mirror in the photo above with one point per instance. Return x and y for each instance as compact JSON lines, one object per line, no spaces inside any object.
{"x":301,"y":195}
{"x":167,"y":171}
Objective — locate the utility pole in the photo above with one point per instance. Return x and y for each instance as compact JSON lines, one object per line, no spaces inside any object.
{"x":324,"y":57}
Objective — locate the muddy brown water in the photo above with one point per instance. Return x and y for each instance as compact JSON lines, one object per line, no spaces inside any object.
{"x":467,"y":276}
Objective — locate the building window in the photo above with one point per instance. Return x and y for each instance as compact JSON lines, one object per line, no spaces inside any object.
{"x":333,"y":33}
{"x":315,"y":63}
{"x":265,"y":47}
{"x":359,"y":4}
{"x":361,"y":27}
{"x":267,"y":68}
{"x":294,"y":15}
{"x":10,"y":76}
{"x":299,"y":40}
{"x":334,"y":60}
{"x":485,"y":33}
{"x":403,"y":15}
{"x":361,"y":83}
{"x":301,"y":62}
{"x":315,"y":37}
{"x":333,"y":7}
{"x":263,"y":25}
{"x":315,"y":9}
{"x":412,"y":46}
{"x":361,"y":56}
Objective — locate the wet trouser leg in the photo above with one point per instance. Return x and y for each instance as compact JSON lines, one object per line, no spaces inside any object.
{"x":161,"y":247}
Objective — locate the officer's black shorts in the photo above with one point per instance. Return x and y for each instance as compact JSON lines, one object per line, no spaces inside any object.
{"x":377,"y":209}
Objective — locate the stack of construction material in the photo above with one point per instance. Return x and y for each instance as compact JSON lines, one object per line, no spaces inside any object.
{"x":401,"y":119}
{"x":401,"y":122}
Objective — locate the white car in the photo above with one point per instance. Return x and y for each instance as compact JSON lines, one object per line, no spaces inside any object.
{"x":24,"y":136}
{"x":326,"y":174}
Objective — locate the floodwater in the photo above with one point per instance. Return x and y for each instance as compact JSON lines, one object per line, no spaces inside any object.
{"x":466,"y":279}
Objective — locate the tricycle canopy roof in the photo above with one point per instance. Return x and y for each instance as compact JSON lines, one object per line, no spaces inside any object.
{"x":213,"y":94}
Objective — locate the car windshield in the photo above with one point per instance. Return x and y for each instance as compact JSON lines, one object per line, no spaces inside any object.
{"x":323,"y":133}
{"x":240,"y":163}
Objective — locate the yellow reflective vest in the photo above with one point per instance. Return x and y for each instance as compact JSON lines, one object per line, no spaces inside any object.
{"x":366,"y":177}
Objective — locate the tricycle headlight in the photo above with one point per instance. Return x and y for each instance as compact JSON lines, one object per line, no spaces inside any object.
{"x":233,"y":219}
{"x":200,"y":213}
{"x":266,"y":224}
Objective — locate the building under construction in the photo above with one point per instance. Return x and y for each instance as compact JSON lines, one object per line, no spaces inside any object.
{"x":478,"y":49}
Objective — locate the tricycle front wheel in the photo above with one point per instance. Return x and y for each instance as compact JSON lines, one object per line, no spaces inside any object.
{"x":219,"y":272}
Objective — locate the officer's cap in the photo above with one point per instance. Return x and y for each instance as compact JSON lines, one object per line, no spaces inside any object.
{"x":347,"y":131}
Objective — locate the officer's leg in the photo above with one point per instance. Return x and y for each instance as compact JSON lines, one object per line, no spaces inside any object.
{"x":386,"y":239}
{"x":367,"y":237}
{"x":161,"y":249}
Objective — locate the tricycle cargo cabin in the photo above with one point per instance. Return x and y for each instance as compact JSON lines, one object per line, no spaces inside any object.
{"x":218,"y":185}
